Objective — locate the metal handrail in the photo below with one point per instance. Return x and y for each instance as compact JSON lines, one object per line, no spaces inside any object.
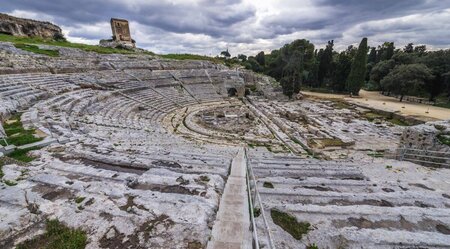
{"x":269,"y":235}
{"x":432,"y":151}
{"x":441,"y":155}
{"x":426,"y":156}
{"x":422,"y":161}
{"x":252,"y":215}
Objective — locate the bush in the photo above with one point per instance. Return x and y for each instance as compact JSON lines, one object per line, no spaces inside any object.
{"x":59,"y":37}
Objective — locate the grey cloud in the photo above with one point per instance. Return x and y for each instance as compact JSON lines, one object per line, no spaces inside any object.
{"x":212,"y":18}
{"x":199,"y":26}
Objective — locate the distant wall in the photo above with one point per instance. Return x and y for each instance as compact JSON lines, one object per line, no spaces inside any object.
{"x":25,"y":27}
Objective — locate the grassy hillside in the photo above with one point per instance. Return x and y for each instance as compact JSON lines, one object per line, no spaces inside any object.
{"x":20,"y":42}
{"x":29,"y":44}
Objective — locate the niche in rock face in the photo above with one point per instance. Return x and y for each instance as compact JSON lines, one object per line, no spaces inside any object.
{"x":232,"y":92}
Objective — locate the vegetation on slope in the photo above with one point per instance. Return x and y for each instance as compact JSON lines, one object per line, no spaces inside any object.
{"x":372,"y":116}
{"x":57,"y":236}
{"x":289,"y":224}
{"x":22,"y":154}
{"x":21,"y":41}
{"x":190,"y":57}
{"x":17,"y":134}
{"x":444,"y":139}
{"x":35,"y":49}
{"x":233,"y":62}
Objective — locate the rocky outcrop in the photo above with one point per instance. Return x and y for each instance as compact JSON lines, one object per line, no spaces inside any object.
{"x":25,"y":27}
{"x":426,"y":136}
{"x":427,"y":144}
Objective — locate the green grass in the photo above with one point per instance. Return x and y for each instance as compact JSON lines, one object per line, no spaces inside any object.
{"x":371,"y":116}
{"x":17,"y":135}
{"x":2,"y":163}
{"x":10,"y":183}
{"x":21,"y":154}
{"x":290,"y":224}
{"x":35,"y":49}
{"x":376,"y":154}
{"x":312,"y":246}
{"x":256,"y":212}
{"x":57,"y":236}
{"x":79,"y":199}
{"x":190,"y":57}
{"x":252,"y":88}
{"x":397,"y":121}
{"x":85,"y":47}
{"x":444,"y":139}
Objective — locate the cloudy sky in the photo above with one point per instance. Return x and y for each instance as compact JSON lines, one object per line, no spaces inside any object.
{"x":245,"y":26}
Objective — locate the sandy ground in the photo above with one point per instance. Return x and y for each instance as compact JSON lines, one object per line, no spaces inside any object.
{"x":381,"y":102}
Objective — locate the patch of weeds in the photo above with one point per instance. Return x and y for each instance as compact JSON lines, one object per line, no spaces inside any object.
{"x":57,"y":236}
{"x":332,"y":142}
{"x":252,"y":88}
{"x":35,"y":49}
{"x":290,"y":224}
{"x":190,"y":57}
{"x":268,"y":185}
{"x":341,"y":105}
{"x":204,"y":178}
{"x":79,"y":199}
{"x":17,"y":135}
{"x":388,"y":166}
{"x":444,"y":139}
{"x":256,"y":212}
{"x":2,"y":163}
{"x":399,"y":122}
{"x":10,"y":183}
{"x":268,"y":148}
{"x":439,"y":127}
{"x":376,"y":154}
{"x":371,"y":116}
{"x":312,"y":246}
{"x":21,"y":154}
{"x":326,"y":142}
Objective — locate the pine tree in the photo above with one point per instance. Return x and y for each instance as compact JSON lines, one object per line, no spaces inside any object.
{"x":356,"y":77}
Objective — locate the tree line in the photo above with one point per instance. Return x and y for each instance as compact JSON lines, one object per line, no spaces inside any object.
{"x":412,"y":70}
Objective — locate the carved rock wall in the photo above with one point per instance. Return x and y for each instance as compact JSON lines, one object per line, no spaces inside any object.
{"x":26,"y":27}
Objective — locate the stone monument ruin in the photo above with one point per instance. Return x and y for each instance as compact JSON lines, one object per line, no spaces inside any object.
{"x":121,"y":35}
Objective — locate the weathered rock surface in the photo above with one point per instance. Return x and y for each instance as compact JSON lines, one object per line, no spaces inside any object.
{"x":424,"y":144}
{"x":128,"y":173}
{"x":25,"y":27}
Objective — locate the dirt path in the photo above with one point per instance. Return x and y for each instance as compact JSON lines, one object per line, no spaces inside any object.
{"x":381,"y":102}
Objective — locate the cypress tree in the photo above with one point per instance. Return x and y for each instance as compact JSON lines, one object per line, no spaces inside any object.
{"x":356,"y":77}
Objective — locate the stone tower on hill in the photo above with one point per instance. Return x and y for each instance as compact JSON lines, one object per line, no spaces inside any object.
{"x":121,"y":31}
